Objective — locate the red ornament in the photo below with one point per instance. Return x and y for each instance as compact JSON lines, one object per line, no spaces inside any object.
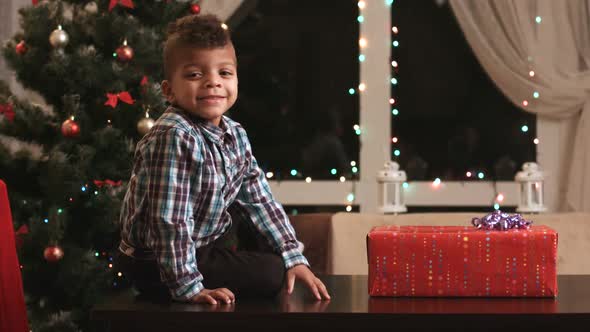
{"x":21,"y":48}
{"x":70,"y":128}
{"x":195,"y":8}
{"x":124,"y":53}
{"x":8,"y":112}
{"x":53,"y":253}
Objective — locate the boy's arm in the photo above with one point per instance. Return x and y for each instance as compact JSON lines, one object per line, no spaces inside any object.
{"x":256,"y":201}
{"x":171,"y":193}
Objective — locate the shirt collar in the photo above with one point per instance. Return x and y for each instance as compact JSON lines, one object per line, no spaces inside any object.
{"x":216,"y":134}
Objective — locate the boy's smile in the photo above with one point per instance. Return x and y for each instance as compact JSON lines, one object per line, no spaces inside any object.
{"x":203,"y":82}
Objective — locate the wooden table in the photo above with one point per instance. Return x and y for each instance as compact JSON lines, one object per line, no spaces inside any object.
{"x":352,"y":309}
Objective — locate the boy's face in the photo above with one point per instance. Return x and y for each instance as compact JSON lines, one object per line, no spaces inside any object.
{"x":203,"y":82}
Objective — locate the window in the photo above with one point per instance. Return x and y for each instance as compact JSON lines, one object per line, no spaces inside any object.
{"x":449,"y":120}
{"x":297,"y":61}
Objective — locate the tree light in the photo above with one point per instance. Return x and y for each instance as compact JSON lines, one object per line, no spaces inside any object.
{"x":362,"y":42}
{"x":436,"y":183}
{"x":350,"y":197}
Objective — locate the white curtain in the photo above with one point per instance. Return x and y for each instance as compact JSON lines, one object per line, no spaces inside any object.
{"x":222,"y":8}
{"x":511,"y":39}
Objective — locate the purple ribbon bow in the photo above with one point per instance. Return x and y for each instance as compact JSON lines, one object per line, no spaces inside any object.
{"x":501,"y":221}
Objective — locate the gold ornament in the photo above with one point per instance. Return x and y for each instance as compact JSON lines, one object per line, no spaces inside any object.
{"x":59,"y":38}
{"x":91,"y":7}
{"x":145,"y":124}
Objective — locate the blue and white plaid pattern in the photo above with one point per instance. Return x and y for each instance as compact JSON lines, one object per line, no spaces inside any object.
{"x":186,"y":174}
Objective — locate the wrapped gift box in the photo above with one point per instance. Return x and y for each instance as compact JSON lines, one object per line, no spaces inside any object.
{"x":462,"y":261}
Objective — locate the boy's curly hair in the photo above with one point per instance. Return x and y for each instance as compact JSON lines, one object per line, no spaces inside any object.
{"x":199,"y":31}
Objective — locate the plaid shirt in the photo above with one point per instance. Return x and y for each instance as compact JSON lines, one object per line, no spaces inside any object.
{"x":186,"y":174}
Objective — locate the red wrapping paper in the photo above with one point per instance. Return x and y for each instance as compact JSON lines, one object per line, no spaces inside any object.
{"x":462,"y":261}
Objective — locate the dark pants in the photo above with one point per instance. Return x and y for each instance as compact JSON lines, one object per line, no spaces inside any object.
{"x":250,"y":270}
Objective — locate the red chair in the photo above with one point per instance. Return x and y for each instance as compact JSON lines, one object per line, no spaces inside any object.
{"x":13,"y":314}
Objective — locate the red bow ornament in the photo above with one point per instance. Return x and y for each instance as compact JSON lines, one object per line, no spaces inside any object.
{"x":22,"y":230}
{"x":100,"y":183}
{"x":7,"y":111}
{"x":124,"y":3}
{"x":124,"y":96}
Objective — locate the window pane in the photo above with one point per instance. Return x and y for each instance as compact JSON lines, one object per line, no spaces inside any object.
{"x":452,"y":122}
{"x":297,"y":61}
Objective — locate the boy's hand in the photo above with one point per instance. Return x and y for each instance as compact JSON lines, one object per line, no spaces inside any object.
{"x":210,"y":296}
{"x":314,"y":284}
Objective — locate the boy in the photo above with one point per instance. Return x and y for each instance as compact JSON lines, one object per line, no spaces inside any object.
{"x":195,"y":184}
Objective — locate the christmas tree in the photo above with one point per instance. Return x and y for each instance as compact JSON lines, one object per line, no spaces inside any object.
{"x":96,"y":64}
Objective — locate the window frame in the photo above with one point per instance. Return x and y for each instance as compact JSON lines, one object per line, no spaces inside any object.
{"x":375,"y":143}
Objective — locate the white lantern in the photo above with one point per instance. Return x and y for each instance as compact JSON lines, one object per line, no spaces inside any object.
{"x":390,"y":181}
{"x":530,"y":181}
